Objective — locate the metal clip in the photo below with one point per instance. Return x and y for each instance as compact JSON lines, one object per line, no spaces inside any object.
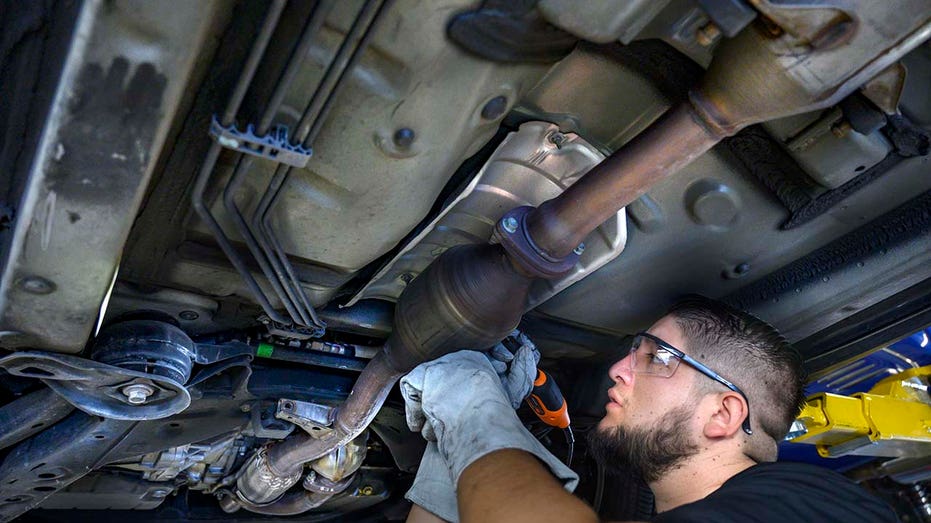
{"x":273,"y":146}
{"x":314,"y":418}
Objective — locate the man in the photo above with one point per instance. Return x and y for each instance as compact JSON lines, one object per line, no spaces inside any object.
{"x":697,"y":409}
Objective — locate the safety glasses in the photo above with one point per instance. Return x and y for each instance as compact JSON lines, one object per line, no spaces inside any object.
{"x":653,"y":356}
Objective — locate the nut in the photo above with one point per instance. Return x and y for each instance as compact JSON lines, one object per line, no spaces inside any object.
{"x":138,"y":393}
{"x":509,"y":224}
{"x":558,"y":139}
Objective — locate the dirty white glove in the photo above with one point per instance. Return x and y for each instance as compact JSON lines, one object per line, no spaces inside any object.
{"x":433,"y":487}
{"x":466,"y":408}
{"x":471,"y":415}
{"x":516,"y":379}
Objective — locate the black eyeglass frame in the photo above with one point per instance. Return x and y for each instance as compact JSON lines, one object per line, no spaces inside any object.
{"x":695,"y":364}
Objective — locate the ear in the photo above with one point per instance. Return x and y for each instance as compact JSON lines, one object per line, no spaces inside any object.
{"x":727,"y":416}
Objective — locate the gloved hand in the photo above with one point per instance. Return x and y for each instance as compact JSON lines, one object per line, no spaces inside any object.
{"x":468,"y":411}
{"x":517,"y":381}
{"x":433,"y":487}
{"x":516,"y":378}
{"x":460,"y":401}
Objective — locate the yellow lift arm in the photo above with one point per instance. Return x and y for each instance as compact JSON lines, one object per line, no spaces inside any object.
{"x":893,"y":419}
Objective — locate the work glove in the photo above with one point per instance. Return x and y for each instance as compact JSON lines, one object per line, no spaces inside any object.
{"x":516,"y":378}
{"x":462,"y":403}
{"x":433,"y":487}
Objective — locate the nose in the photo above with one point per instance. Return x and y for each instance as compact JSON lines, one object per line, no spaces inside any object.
{"x":620,"y":372}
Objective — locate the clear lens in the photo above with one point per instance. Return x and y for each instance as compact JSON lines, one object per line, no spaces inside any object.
{"x":649,"y":358}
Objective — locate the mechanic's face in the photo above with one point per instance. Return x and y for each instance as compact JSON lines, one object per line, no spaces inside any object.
{"x":638,"y":400}
{"x":649,"y":424}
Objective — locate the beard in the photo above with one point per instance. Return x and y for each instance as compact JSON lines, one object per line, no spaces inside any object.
{"x":647,"y":452}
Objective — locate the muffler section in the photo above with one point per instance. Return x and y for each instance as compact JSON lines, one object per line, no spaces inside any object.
{"x":473,"y":296}
{"x":275,"y":469}
{"x":329,"y":475}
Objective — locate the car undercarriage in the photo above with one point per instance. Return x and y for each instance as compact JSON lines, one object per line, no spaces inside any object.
{"x":229,"y":227}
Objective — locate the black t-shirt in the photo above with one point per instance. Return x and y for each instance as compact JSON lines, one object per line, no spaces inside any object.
{"x":784,"y":492}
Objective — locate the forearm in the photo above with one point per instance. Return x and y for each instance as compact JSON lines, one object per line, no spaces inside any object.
{"x":512,"y":485}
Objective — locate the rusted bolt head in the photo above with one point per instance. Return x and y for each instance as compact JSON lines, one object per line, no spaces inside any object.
{"x":707,"y":34}
{"x":841,"y":129}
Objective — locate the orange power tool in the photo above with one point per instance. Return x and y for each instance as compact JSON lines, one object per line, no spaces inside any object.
{"x":548,"y":403}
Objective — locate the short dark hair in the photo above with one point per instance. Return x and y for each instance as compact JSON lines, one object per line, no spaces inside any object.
{"x":754,"y":356}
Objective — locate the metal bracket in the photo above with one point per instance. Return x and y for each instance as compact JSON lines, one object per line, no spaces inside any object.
{"x":273,"y":146}
{"x":852,"y":447}
{"x":314,"y":418}
{"x":97,"y":388}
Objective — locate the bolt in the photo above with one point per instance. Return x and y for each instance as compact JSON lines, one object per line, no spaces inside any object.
{"x":495,"y":108}
{"x":509,"y":223}
{"x":707,"y":34}
{"x":138,"y":393}
{"x":580,"y":249}
{"x":188,"y":315}
{"x":558,"y":139}
{"x":36,"y":285}
{"x":367,"y":490}
{"x":245,"y":407}
{"x":404,"y":137}
{"x":841,"y":129}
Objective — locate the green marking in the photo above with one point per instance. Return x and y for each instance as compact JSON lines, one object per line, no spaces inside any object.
{"x":265,"y":350}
